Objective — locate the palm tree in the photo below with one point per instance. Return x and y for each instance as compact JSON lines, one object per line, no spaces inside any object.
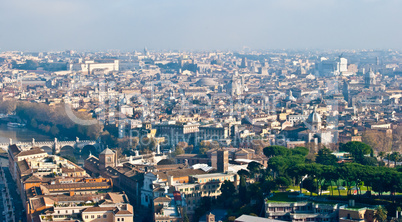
{"x":381,"y":155}
{"x":380,"y":214}
{"x":395,"y":157}
{"x":388,"y":158}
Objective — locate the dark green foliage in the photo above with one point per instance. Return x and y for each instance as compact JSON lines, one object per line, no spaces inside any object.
{"x":303,"y":151}
{"x":273,"y":151}
{"x":204,"y":207}
{"x":326,"y":157}
{"x":254,"y":168}
{"x":380,"y":214}
{"x":283,"y":181}
{"x":243,"y":190}
{"x":310,"y":185}
{"x":356,"y":149}
{"x":243,"y":173}
{"x":228,"y":189}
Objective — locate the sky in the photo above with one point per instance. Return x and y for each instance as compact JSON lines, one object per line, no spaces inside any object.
{"x":126,"y":25}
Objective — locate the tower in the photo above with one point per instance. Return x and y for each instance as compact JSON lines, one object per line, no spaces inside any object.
{"x":244,"y":62}
{"x":369,"y":79}
{"x":314,"y":120}
{"x":210,"y":217}
{"x":345,"y":91}
{"x":107,"y":158}
{"x":222,"y":160}
{"x":146,"y":53}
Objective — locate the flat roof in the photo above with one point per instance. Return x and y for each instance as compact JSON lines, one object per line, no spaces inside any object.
{"x":248,"y":218}
{"x":212,"y":175}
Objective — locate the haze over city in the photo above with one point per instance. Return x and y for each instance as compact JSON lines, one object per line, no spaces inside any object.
{"x":46,"y":25}
{"x":201,"y":111}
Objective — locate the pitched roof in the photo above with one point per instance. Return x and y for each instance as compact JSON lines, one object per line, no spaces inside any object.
{"x":179,"y":173}
{"x":97,"y":209}
{"x":14,"y":149}
{"x":77,"y":185}
{"x":33,"y":178}
{"x":107,"y":151}
{"x":117,"y":198}
{"x":32,"y":151}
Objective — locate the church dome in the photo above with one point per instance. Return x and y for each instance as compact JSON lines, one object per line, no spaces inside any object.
{"x":370,"y":74}
{"x":290,"y":97}
{"x":206,"y":82}
{"x":314,"y":117}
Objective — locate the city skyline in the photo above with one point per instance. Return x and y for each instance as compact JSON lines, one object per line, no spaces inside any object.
{"x":183,"y":25}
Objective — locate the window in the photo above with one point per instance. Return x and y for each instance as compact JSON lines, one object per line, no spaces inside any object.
{"x":86,"y":216}
{"x":118,"y":219}
{"x":104,"y":216}
{"x":98,"y":216}
{"x":122,"y":219}
{"x":92,"y":216}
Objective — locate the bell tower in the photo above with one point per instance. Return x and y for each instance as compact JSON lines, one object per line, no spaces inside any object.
{"x":107,"y":158}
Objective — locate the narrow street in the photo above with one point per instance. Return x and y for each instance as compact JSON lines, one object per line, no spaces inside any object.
{"x":11,"y":206}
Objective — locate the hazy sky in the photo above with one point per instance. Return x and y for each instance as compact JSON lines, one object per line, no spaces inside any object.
{"x":42,"y":25}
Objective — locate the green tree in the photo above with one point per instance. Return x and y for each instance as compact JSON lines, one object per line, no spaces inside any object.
{"x":326,"y":157}
{"x":272,"y":151}
{"x":204,"y":207}
{"x":380,"y":214}
{"x":283,"y":182}
{"x":244,"y":173}
{"x":395,"y":156}
{"x":254,"y":168}
{"x":254,"y":191}
{"x":356,"y":149}
{"x":310,"y":185}
{"x":381,"y":155}
{"x":178,"y":151}
{"x":303,"y":151}
{"x":227,"y":189}
{"x":243,"y":190}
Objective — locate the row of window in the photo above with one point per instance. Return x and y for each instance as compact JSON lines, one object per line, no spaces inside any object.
{"x":215,"y":179}
{"x":104,"y":216}
{"x":93,"y":216}
{"x":202,"y":187}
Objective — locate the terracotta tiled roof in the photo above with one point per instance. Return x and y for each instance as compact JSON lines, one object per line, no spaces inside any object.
{"x":98,"y":209}
{"x":75,"y":185}
{"x":32,"y":151}
{"x":162,"y":199}
{"x":33,"y":178}
{"x":14,"y":149}
{"x":124,"y":212}
{"x":23,"y":166}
